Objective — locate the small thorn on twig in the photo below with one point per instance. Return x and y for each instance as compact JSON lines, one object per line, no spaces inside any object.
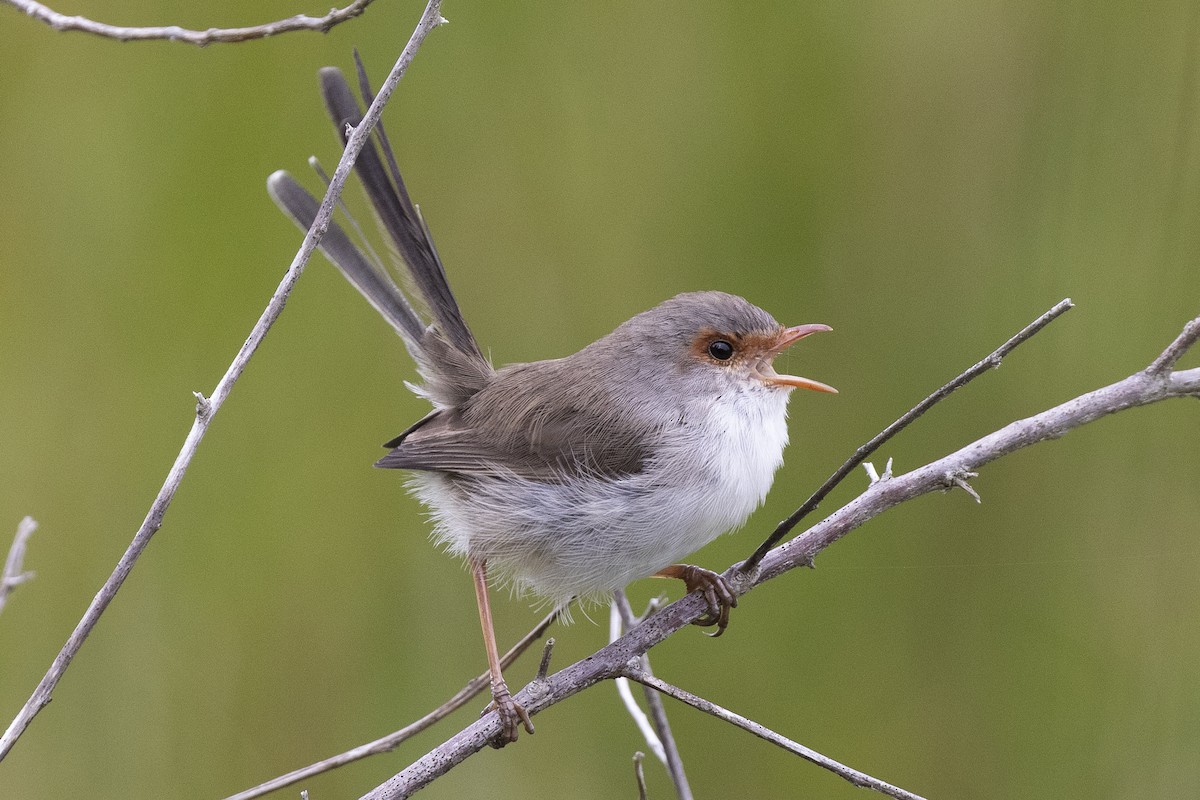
{"x":203,"y":405}
{"x":959,"y":479}
{"x":349,"y":130}
{"x":874,"y":476}
{"x":544,"y":667}
{"x":638,"y":773}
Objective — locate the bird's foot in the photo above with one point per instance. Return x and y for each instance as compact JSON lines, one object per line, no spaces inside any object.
{"x":512,"y":716}
{"x":716,"y":590}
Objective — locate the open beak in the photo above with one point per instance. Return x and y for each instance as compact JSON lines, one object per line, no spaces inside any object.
{"x":787,"y":338}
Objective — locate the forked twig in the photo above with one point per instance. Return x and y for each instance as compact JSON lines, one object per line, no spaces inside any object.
{"x":207,"y":407}
{"x":861,"y":454}
{"x":174,"y":33}
{"x":14,"y":574}
{"x":855,"y":777}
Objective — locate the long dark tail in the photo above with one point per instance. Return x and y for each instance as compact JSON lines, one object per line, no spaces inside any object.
{"x":446,"y":352}
{"x":376,"y":286}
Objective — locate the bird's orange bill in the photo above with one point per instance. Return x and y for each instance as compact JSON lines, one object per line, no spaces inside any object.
{"x":788,"y":337}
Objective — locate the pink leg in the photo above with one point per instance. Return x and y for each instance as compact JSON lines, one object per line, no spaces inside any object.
{"x":510,"y":712}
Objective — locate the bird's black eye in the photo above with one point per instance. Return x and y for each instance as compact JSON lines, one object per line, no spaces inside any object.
{"x":721,"y":350}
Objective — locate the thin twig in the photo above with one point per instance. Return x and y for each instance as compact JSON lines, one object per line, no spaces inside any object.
{"x":612,"y":660}
{"x":861,"y":454}
{"x":658,"y":714}
{"x":1170,"y":357}
{"x":547,"y":652}
{"x":639,"y":775}
{"x":207,"y":408}
{"x":174,"y":33}
{"x":643,"y":723}
{"x":388,"y":743}
{"x":13,"y":576}
{"x":855,"y":777}
{"x":1139,"y":389}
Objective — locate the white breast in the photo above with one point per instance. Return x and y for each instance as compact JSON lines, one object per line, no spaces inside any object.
{"x":588,"y":536}
{"x":752,"y":431}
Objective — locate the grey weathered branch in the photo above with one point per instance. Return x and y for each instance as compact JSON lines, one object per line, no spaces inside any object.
{"x":14,"y":565}
{"x":1151,"y":385}
{"x":860,"y":779}
{"x":174,"y":33}
{"x":206,"y":408}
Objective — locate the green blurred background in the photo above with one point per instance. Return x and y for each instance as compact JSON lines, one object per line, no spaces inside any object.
{"x":925,"y":177}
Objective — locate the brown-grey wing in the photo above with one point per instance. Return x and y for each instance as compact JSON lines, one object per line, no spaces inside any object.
{"x":550,"y":448}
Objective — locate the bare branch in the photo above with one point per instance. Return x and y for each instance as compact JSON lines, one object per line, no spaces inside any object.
{"x":393,"y":740}
{"x":174,"y":33}
{"x":1139,"y":389}
{"x":662,"y":727}
{"x":860,"y":779}
{"x":206,"y":409}
{"x":640,"y":776}
{"x":613,"y":660}
{"x":861,"y":454}
{"x":13,"y":576}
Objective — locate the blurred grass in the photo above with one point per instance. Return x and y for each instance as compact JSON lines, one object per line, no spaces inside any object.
{"x":925,"y":177}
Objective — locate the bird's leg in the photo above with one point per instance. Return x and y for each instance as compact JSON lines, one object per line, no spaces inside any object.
{"x":510,"y":712}
{"x":716,"y":590}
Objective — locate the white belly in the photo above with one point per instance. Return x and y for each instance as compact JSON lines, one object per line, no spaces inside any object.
{"x":588,"y":536}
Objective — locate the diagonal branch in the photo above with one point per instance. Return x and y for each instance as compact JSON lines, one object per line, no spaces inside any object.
{"x":206,"y":408}
{"x":14,"y":574}
{"x":860,"y":779}
{"x":1142,"y":388}
{"x":174,"y":33}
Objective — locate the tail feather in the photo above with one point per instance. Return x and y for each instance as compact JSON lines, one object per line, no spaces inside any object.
{"x":400,"y":218}
{"x":447,"y":355}
{"x":378,"y":289}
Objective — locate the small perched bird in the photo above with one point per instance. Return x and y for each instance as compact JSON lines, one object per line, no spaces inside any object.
{"x":571,"y":477}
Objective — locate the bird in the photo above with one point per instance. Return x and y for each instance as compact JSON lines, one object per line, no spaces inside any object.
{"x":569,"y":478}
